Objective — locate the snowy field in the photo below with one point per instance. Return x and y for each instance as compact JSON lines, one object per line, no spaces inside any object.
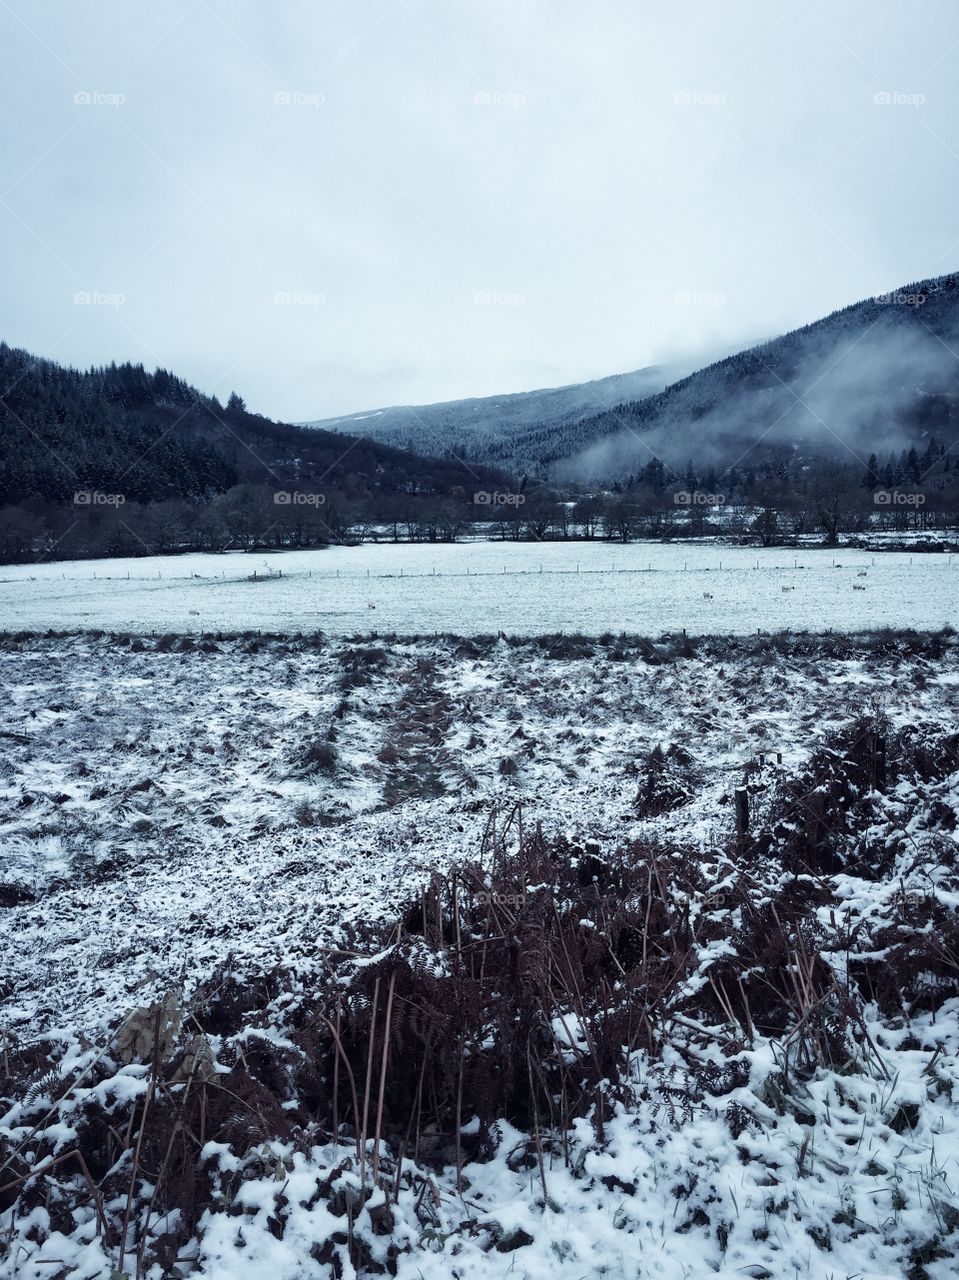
{"x":186,"y":779}
{"x":487,"y":587}
{"x":177,"y":813}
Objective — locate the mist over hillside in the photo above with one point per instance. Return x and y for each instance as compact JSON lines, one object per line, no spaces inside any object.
{"x":876,"y":377}
{"x":523,"y":432}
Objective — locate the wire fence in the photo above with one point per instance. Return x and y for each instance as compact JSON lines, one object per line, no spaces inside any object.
{"x":269,"y":574}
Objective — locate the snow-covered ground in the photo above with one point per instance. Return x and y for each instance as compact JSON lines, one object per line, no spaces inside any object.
{"x":481,"y":587}
{"x":164,"y":807}
{"x":170,"y":806}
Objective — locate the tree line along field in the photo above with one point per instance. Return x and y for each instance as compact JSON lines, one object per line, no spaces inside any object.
{"x":831,"y":504}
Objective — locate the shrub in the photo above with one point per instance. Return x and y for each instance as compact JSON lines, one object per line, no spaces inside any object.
{"x":666,"y":782}
{"x":319,"y":756}
{"x":361,"y":666}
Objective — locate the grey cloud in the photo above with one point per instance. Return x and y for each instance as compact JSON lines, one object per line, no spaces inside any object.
{"x":399,"y":159}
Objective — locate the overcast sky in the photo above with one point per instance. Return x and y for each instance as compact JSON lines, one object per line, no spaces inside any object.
{"x":336,"y":206}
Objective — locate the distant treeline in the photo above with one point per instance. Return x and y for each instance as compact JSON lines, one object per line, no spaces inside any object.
{"x":828,"y":500}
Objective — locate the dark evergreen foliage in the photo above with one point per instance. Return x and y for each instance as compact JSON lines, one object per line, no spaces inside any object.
{"x":151,"y":436}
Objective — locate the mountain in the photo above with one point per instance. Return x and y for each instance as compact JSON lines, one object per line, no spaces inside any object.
{"x":526,"y":432}
{"x":809,"y":427}
{"x":877,"y":377}
{"x":150,"y":437}
{"x":880,"y":376}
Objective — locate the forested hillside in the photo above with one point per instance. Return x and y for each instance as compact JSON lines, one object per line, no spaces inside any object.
{"x":118,"y":460}
{"x":523,"y":433}
{"x":877,"y":377}
{"x":880,"y":377}
{"x":839,"y":428}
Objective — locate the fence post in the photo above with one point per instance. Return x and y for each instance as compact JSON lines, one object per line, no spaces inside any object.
{"x":879,"y":763}
{"x":742,"y":816}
